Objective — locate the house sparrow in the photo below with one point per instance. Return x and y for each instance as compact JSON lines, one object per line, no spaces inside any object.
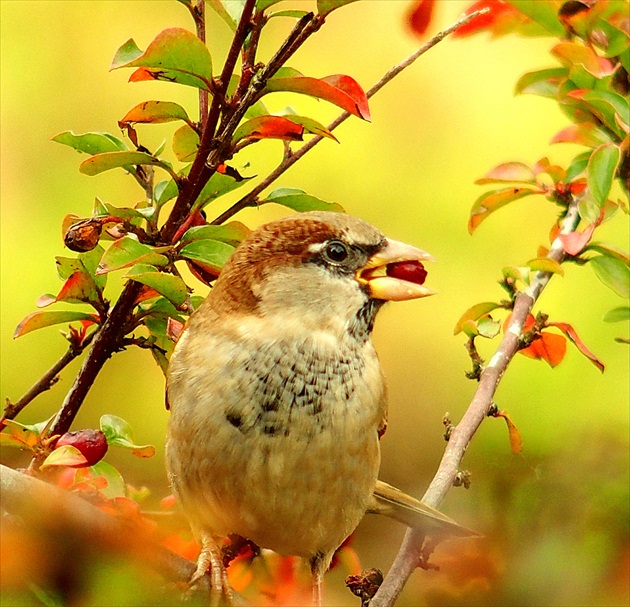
{"x":276,"y":394}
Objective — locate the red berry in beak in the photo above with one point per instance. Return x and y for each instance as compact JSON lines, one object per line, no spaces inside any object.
{"x":92,"y":444}
{"x":411,"y":271}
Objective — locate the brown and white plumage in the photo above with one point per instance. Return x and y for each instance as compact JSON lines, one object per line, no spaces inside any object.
{"x":277,"y":397}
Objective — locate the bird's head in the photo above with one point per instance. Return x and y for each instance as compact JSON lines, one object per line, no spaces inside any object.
{"x":319,"y":266}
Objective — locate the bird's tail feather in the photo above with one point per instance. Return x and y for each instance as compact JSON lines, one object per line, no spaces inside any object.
{"x":394,"y":503}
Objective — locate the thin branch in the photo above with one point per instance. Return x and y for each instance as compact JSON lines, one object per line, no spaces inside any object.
{"x":46,"y":381}
{"x":200,"y":172}
{"x":250,"y":199}
{"x":410,"y":551}
{"x":108,"y":340}
{"x":198,"y":12}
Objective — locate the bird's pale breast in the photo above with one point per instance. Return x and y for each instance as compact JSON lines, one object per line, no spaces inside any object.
{"x":275,"y":439}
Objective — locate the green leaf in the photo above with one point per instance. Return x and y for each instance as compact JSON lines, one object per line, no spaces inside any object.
{"x":542,"y":12}
{"x":578,"y":166}
{"x":126,"y":53}
{"x":261,"y":5}
{"x":544,"y":264}
{"x":311,"y":126}
{"x":620,"y":314}
{"x":289,"y":13}
{"x":165,"y":191}
{"x":85,"y":262}
{"x":115,"y":482}
{"x":66,"y":455}
{"x":185,"y":143}
{"x":610,"y":250}
{"x":229,"y":10}
{"x":112,"y":160}
{"x":209,"y":253}
{"x":300,"y":201}
{"x":474,"y":313}
{"x":217,"y":185}
{"x":613,"y":273}
{"x":327,"y":6}
{"x":128,"y":251}
{"x":488,"y":327}
{"x":91,"y":143}
{"x":172,"y":287}
{"x":601,"y":171}
{"x":161,"y":360}
{"x":38,"y":320}
{"x":118,"y":432}
{"x":175,"y":55}
{"x":155,"y":112}
{"x":233,"y":233}
{"x":541,"y":82}
{"x":491,"y":201}
{"x":605,"y":104}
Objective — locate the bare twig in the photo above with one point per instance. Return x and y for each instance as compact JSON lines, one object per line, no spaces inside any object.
{"x":250,"y":199}
{"x":45,"y":382}
{"x":460,"y":436}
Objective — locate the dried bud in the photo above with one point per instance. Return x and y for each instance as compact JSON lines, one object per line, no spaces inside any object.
{"x":365,"y":585}
{"x":84,"y":235}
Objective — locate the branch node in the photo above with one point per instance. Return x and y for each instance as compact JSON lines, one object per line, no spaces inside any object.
{"x":423,"y":559}
{"x":365,"y":584}
{"x":462,"y":479}
{"x":477,"y":361}
{"x":448,"y":426}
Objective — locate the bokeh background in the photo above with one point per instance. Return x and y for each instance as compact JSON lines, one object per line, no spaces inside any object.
{"x":555,"y":518}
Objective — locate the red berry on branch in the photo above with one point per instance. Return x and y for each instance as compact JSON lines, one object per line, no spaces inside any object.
{"x":92,"y":444}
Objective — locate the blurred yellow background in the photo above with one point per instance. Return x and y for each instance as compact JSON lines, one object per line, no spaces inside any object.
{"x":556,"y":516}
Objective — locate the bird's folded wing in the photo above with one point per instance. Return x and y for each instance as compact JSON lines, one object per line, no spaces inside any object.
{"x":392,"y":502}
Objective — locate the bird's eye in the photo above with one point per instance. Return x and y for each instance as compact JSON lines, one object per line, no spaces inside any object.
{"x":336,"y":251}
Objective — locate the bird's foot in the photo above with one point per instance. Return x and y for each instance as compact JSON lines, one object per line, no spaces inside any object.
{"x":210,"y":559}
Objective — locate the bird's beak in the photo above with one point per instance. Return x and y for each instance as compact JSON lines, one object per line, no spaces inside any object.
{"x":396,"y":272}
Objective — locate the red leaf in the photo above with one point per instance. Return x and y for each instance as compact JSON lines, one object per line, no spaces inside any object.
{"x":203,"y":273}
{"x":352,"y":89}
{"x":341,"y":90}
{"x":571,"y":333}
{"x":420,"y":16}
{"x":491,"y":201}
{"x":574,"y":242}
{"x":516,"y":440}
{"x":38,"y":320}
{"x":174,"y":329}
{"x":583,"y":133}
{"x":269,"y":127}
{"x":498,"y":8}
{"x":549,"y":347}
{"x":146,"y":293}
{"x":142,"y":73}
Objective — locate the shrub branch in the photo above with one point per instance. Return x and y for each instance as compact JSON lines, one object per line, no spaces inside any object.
{"x":411,"y":550}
